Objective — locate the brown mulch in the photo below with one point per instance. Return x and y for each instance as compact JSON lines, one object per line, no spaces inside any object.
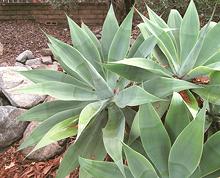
{"x":17,"y":37}
{"x":14,"y":165}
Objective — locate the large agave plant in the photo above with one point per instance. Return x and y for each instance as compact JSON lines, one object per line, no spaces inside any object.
{"x":185,"y":58}
{"x":173,"y":149}
{"x":91,"y":102}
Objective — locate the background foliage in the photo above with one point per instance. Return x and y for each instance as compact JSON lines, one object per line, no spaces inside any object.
{"x":162,"y":7}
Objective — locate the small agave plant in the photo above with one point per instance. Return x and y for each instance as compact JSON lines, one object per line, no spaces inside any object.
{"x":91,"y":102}
{"x":172,"y":149}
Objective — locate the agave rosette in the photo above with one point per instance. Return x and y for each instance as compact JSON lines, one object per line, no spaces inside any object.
{"x":91,"y":102}
{"x":185,"y":58}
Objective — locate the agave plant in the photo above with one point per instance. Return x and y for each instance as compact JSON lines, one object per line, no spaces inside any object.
{"x":91,"y":102}
{"x":173,"y":149}
{"x":185,"y":59}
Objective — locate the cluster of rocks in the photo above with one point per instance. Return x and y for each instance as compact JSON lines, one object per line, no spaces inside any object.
{"x":44,"y":62}
{"x":13,"y":104}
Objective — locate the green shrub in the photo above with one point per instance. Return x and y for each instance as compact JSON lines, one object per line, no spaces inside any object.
{"x":163,"y":7}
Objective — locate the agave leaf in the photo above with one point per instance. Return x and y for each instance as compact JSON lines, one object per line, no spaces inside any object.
{"x":161,"y":107}
{"x":210,"y":46}
{"x":88,"y":113}
{"x":154,"y":138}
{"x":113,"y":135}
{"x":121,"y":40}
{"x":129,"y":114}
{"x":89,"y":145}
{"x":61,"y":91}
{"x":135,"y":130}
{"x":120,"y":45}
{"x":39,"y":76}
{"x":209,"y":162}
{"x":77,"y":63}
{"x":145,"y":48}
{"x":199,"y":71}
{"x":140,"y":167}
{"x":189,"y":31}
{"x":109,"y":30}
{"x":191,"y":59}
{"x":210,"y":26}
{"x":131,"y":72}
{"x":134,"y":96}
{"x":175,"y":21}
{"x":92,"y":36}
{"x":102,"y":169}
{"x":193,"y":56}
{"x":211,"y":91}
{"x":165,"y":43}
{"x":213,"y":59}
{"x":43,"y":111}
{"x":45,"y":126}
{"x":84,"y":174}
{"x":84,"y":44}
{"x":159,"y":21}
{"x":162,"y":87}
{"x":156,"y":19}
{"x":62,"y":130}
{"x":66,"y":67}
{"x":215,"y":66}
{"x":213,"y":175}
{"x":140,"y":39}
{"x":186,"y":151}
{"x":144,"y":30}
{"x":176,"y":122}
{"x":135,"y":67}
{"x":159,"y":57}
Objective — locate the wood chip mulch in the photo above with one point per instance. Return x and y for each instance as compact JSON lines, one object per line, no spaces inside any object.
{"x":14,"y":165}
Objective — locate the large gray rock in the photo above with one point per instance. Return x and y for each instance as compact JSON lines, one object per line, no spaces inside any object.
{"x":10,"y":129}
{"x":11,"y":81}
{"x":33,"y":62}
{"x":44,"y":153}
{"x":47,"y":60}
{"x":24,"y":56}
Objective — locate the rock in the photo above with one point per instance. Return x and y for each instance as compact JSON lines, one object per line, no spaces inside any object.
{"x":11,"y":129}
{"x":33,"y":62}
{"x":47,"y":60}
{"x":24,"y":56}
{"x":46,"y":52}
{"x":1,"y":49}
{"x":10,"y":81}
{"x":19,"y":64}
{"x":44,"y":153}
